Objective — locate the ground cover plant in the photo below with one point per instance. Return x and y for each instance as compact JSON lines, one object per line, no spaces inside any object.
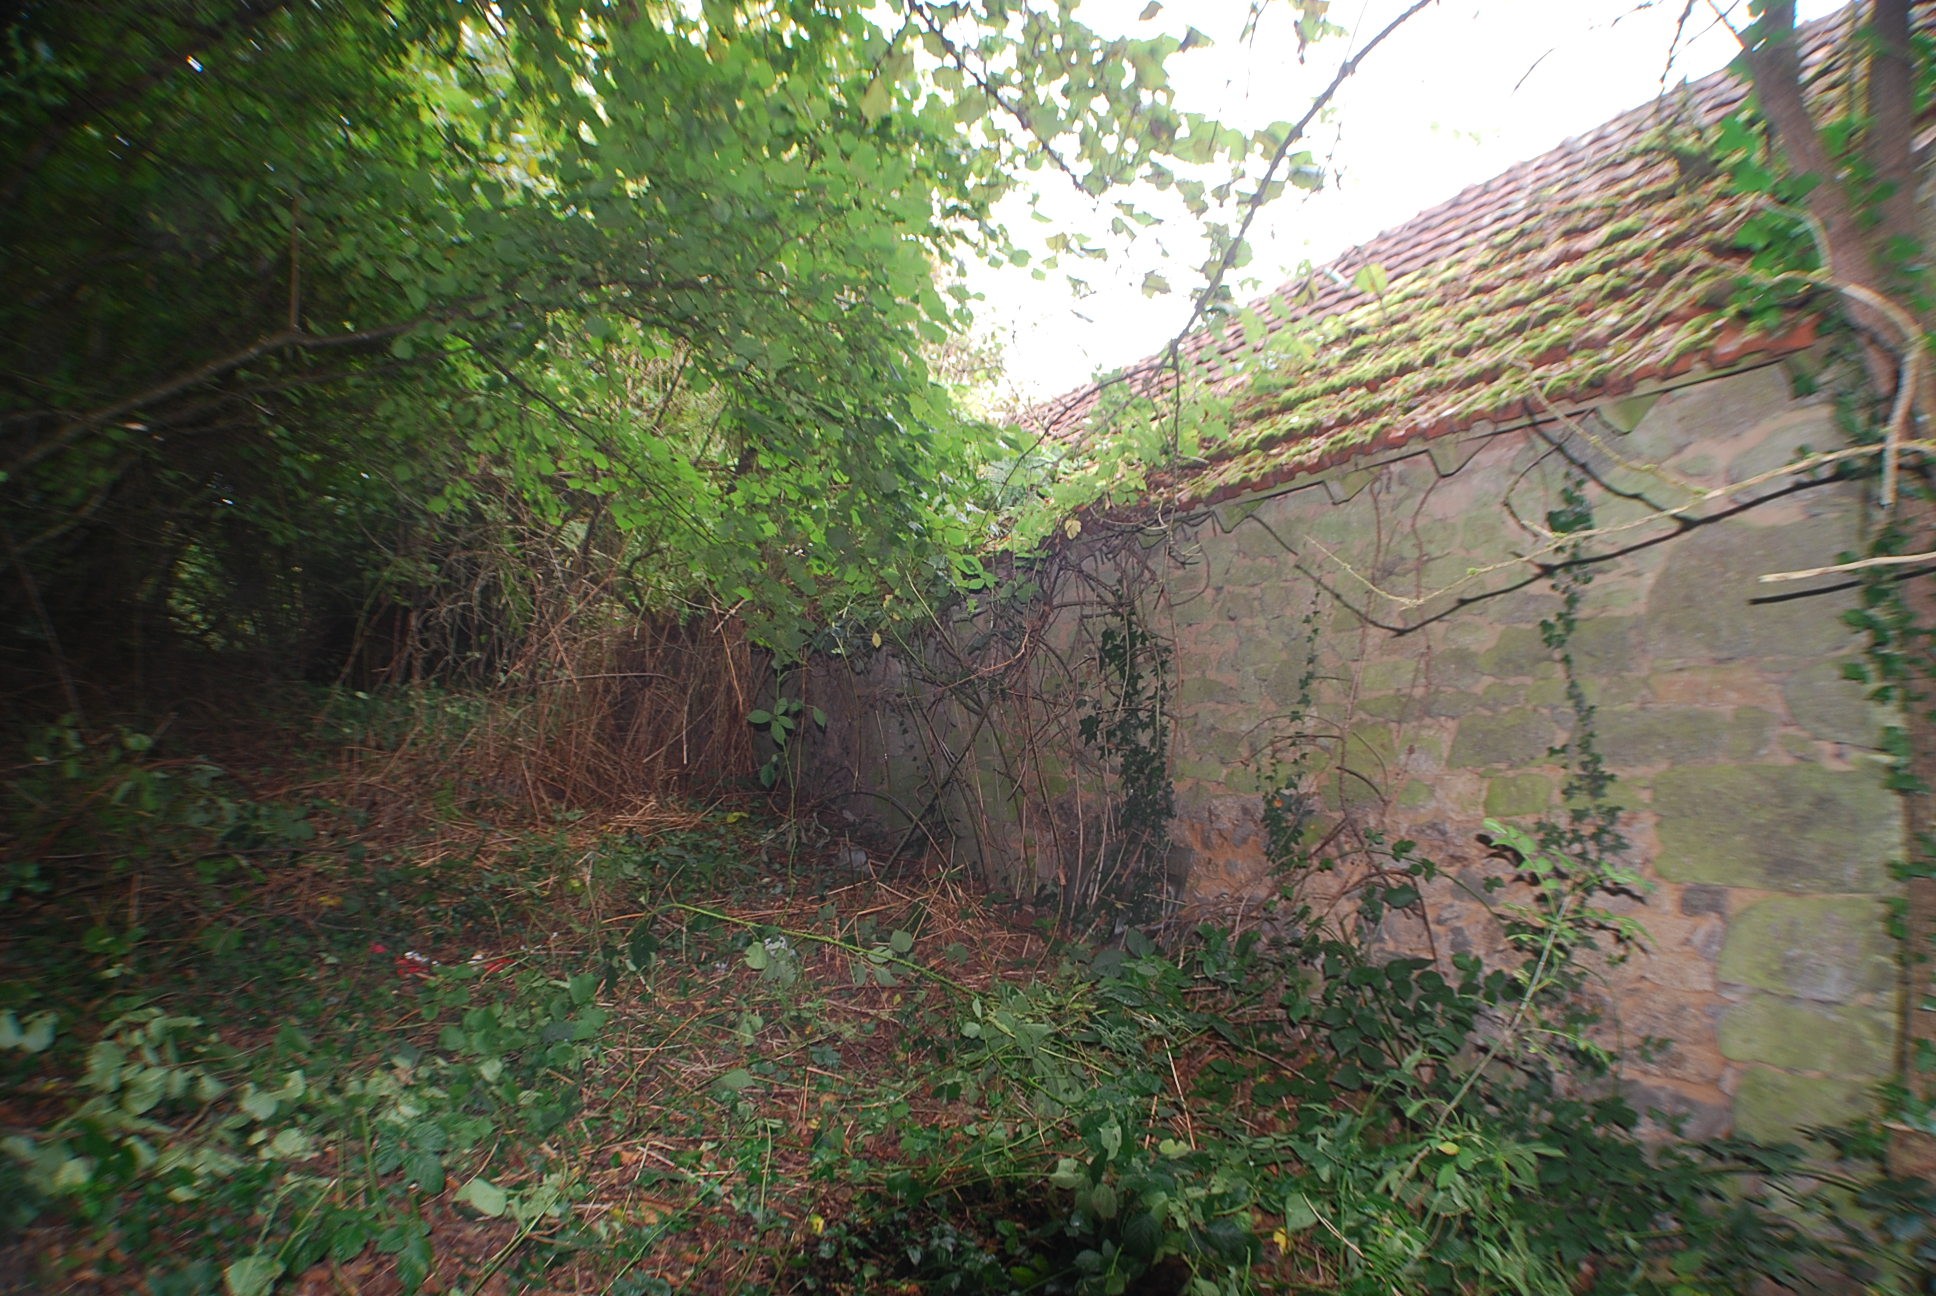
{"x":685,"y":1049}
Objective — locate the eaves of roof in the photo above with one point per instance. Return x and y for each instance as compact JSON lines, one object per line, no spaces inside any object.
{"x":1602,"y":266}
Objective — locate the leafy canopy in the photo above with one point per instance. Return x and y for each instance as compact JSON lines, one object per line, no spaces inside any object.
{"x":309,"y":303}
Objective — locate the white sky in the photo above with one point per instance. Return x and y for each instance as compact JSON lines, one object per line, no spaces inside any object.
{"x":1462,"y":92}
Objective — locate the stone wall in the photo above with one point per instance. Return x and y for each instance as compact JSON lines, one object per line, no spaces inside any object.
{"x":1376,"y":632}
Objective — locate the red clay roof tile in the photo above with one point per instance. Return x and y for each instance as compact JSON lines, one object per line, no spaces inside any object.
{"x":1576,"y":275}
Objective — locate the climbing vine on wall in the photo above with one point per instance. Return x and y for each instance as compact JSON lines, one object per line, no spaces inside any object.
{"x":1128,"y":726}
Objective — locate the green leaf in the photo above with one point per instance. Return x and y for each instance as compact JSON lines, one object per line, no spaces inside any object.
{"x":901,"y":942}
{"x":484,"y":1197}
{"x":256,"y":1104}
{"x":253,"y":1275}
{"x":756,"y":957}
{"x":144,"y":1090}
{"x":1298,"y":1213}
{"x":36,"y":1036}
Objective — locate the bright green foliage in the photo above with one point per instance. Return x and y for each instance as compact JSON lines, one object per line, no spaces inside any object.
{"x":310,"y":303}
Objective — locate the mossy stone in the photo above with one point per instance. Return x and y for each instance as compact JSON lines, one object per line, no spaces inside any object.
{"x":1517,"y":652}
{"x":1198,"y":767}
{"x":1603,"y":645}
{"x":1390,"y":706}
{"x":1415,"y":795}
{"x":1455,"y":668}
{"x":1829,"y":950}
{"x":1198,"y":690}
{"x":1515,"y":795}
{"x":1638,"y":739}
{"x":1518,"y":737}
{"x":1389,"y":674}
{"x":1371,"y":750}
{"x":1625,"y":414}
{"x":1445,"y":704}
{"x":1780,"y":448}
{"x":1830,"y":706}
{"x":1244,"y":778}
{"x":1797,"y":1036}
{"x":1773,"y":1106}
{"x":1708,"y":605}
{"x":1776,"y":827}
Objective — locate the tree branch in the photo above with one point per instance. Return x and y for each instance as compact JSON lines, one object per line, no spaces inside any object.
{"x":286,"y":340}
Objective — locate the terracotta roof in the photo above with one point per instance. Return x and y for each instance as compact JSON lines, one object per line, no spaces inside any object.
{"x":1586,"y":272}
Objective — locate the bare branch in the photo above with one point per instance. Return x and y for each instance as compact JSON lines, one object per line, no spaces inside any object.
{"x":1860,"y":564}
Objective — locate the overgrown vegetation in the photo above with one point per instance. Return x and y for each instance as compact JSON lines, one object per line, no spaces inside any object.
{"x":545,"y":382}
{"x":665,"y":1054}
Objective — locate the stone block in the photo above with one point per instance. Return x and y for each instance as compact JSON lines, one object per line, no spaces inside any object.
{"x":1390,"y":706}
{"x":1797,"y":1036}
{"x":1240,"y":605}
{"x":1678,"y":420}
{"x":1776,"y":827}
{"x":1680,"y":736}
{"x":1703,"y":900}
{"x":1371,"y":750}
{"x":1826,"y":950}
{"x":1455,"y":668}
{"x":1785,"y":442}
{"x":1245,"y":778}
{"x":1777,"y":1106}
{"x":1446,"y":704}
{"x":1738,"y":685}
{"x":1683,"y":1023}
{"x":1694,"y":1111}
{"x":1519,"y":737}
{"x":1391,"y":674}
{"x":1514,"y":795}
{"x":1604,"y":645}
{"x":1415,"y":795}
{"x":1198,"y":690}
{"x":1517,"y":652}
{"x":1449,"y":454}
{"x":1830,"y":707}
{"x":1208,"y":769}
{"x":1625,"y":415}
{"x":1708,"y":606}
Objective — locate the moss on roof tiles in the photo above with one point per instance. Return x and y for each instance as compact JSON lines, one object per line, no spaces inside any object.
{"x":1573,"y":275}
